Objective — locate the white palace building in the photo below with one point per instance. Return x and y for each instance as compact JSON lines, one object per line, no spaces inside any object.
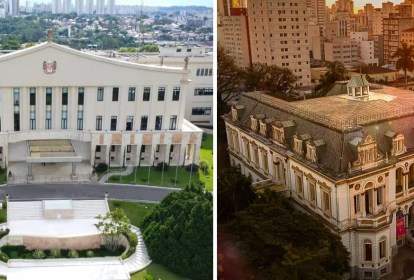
{"x":60,"y":105}
{"x":347,"y":159}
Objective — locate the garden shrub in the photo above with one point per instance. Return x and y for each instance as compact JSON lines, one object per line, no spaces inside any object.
{"x":38,"y":254}
{"x":148,"y":277}
{"x":4,"y":257}
{"x":90,"y":254}
{"x":162,"y":165}
{"x":192,"y":167}
{"x":73,"y":254}
{"x":55,"y":253}
{"x":101,"y":168}
{"x":4,"y":233}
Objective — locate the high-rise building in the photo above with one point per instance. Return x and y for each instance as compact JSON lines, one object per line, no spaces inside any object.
{"x":393,"y":27}
{"x":14,"y":8}
{"x":56,"y":6}
{"x":317,"y":10}
{"x":100,"y":7}
{"x":111,"y":7}
{"x":279,"y":36}
{"x":233,"y":32}
{"x":89,"y":7}
{"x":79,"y":7}
{"x":66,"y":6}
{"x":344,"y":6}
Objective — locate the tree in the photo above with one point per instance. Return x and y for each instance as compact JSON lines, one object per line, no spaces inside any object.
{"x":229,"y":79}
{"x":179,"y":233}
{"x":405,"y":61}
{"x":112,"y":226}
{"x":234,"y":192}
{"x":278,"y":81}
{"x":280,"y":242}
{"x":336,"y":71}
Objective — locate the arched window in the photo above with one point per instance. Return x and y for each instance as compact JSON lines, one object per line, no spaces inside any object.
{"x":367,"y":250}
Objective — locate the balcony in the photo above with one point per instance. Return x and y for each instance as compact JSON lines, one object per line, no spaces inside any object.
{"x":373,"y":221}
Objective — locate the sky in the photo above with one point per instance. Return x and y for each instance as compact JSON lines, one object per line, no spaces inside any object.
{"x":359,"y":4}
{"x":207,"y":3}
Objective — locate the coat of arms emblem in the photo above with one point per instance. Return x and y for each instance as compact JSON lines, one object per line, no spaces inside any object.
{"x":49,"y":67}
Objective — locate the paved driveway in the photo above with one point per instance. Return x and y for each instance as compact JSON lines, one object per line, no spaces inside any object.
{"x":85,"y":190}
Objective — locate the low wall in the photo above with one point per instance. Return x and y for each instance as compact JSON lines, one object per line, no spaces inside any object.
{"x":77,"y":243}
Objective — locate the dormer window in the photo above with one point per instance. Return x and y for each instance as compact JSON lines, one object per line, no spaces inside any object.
{"x":298,"y":143}
{"x":311,"y":152}
{"x":398,"y":146}
{"x":253,"y":121}
{"x":263,"y":128}
{"x":234,"y":116}
{"x":278,"y":134}
{"x":235,"y":112}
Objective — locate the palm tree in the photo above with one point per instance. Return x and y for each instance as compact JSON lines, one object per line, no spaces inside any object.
{"x":405,"y":61}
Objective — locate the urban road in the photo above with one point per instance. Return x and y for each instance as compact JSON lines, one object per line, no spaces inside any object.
{"x":38,"y":191}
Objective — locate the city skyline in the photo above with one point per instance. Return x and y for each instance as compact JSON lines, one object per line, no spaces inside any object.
{"x":163,"y":3}
{"x":361,"y":3}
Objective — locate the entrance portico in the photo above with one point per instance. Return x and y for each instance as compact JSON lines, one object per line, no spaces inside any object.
{"x":50,"y":152}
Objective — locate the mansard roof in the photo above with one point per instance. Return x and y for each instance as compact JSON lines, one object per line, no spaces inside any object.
{"x":340,"y":123}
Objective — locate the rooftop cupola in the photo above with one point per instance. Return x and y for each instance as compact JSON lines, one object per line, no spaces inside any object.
{"x":358,"y":87}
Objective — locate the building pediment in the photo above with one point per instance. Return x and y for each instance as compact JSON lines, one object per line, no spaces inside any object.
{"x":56,"y":65}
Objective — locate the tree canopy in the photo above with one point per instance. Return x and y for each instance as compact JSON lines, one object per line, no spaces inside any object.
{"x":405,"y":60}
{"x":283,"y":243}
{"x":336,"y":72}
{"x":278,"y":81}
{"x":179,"y":233}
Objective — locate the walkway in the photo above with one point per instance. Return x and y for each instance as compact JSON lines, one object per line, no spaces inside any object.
{"x":109,"y":174}
{"x":57,"y":172}
{"x":109,"y":268}
{"x":402,"y":265}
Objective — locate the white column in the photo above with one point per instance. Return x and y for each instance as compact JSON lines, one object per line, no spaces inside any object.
{"x":56,"y":107}
{"x":24,"y":109}
{"x":72,"y":107}
{"x":40,"y":107}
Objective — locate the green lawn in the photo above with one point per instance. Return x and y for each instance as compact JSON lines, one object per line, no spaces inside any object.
{"x":3,"y":215}
{"x":206,"y":154}
{"x":157,"y":178}
{"x":158,"y":272}
{"x":135,"y":211}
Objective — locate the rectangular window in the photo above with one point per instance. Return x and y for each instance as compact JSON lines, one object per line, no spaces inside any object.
{"x":144,"y":122}
{"x":98,"y":149}
{"x":147,"y":93}
{"x":64,"y":96}
{"x":210,"y":72}
{"x":16,"y":96}
{"x":32,"y":96}
{"x":129,"y":123}
{"x":49,"y":96}
{"x":115,"y":94}
{"x":161,"y":93}
{"x":98,"y":122}
{"x":142,"y":149}
{"x":176,"y":94}
{"x":64,"y":123}
{"x":201,"y":111}
{"x":32,"y":120}
{"x":158,"y":122}
{"x":112,"y":148}
{"x":100,"y":94}
{"x":173,"y":122}
{"x":299,"y":184}
{"x":128,"y":149}
{"x":131,"y":94}
{"x":379,"y":195}
{"x":17,"y":121}
{"x":326,"y":202}
{"x":81,"y":94}
{"x":198,"y":72}
{"x":357,"y":205}
{"x":48,"y":124}
{"x":203,"y":91}
{"x":312,"y":192}
{"x":113,"y":123}
{"x":80,"y":120}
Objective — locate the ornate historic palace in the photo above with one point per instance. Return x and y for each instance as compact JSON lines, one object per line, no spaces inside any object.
{"x":347,"y":159}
